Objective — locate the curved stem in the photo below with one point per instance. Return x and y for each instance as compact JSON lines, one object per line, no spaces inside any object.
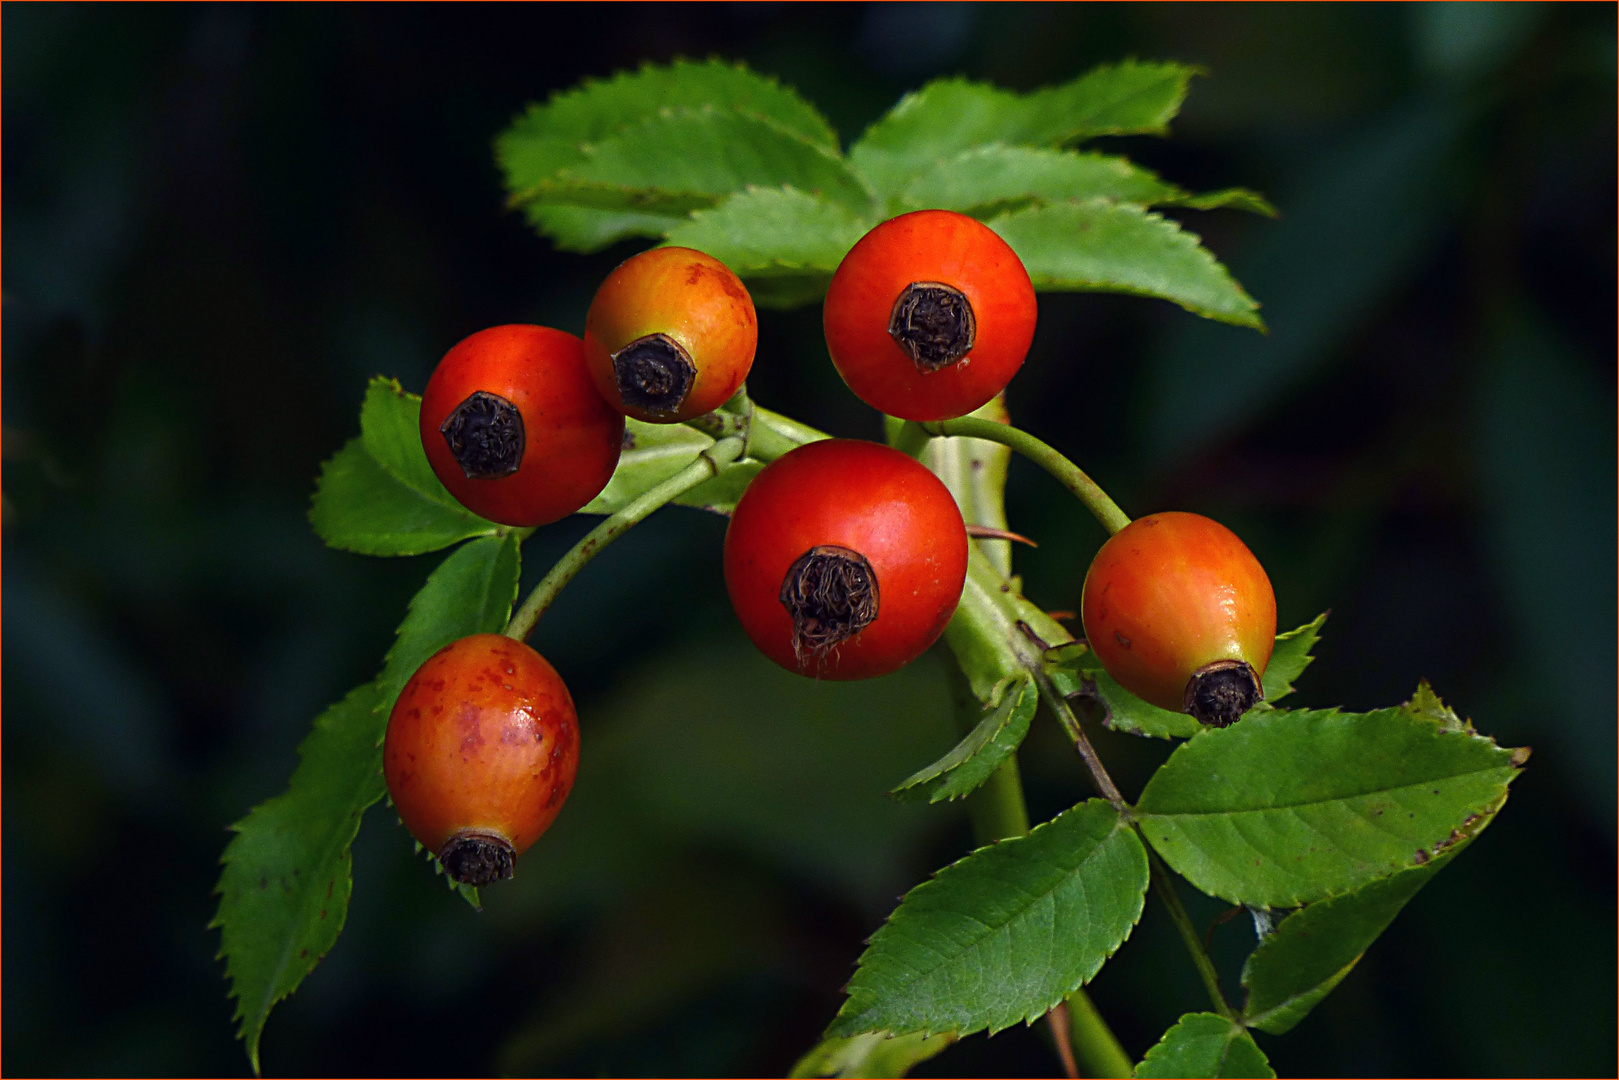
{"x":707,"y":465}
{"x":1067,"y":473}
{"x":768,"y":434}
{"x":1164,"y":886}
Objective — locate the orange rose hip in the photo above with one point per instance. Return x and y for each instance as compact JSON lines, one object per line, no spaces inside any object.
{"x":480,"y":755}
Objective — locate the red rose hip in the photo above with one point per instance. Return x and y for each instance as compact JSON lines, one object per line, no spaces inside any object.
{"x":929,"y":315}
{"x":481,"y":751}
{"x":514,"y":427}
{"x":1180,"y":612}
{"x":845,"y":559}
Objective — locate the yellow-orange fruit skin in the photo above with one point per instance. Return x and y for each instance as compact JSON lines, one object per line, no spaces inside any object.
{"x":1170,"y":593}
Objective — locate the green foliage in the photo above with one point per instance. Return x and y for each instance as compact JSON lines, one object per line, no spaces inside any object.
{"x":1288,"y":659}
{"x":284,"y":891}
{"x":1002,"y":935}
{"x":1103,"y":246}
{"x":1203,"y":1044}
{"x":471,"y":592}
{"x":785,"y":241}
{"x":983,"y":749}
{"x":990,"y":178}
{"x":563,"y":133}
{"x":714,"y":157}
{"x":378,"y":495}
{"x":872,"y":1055}
{"x":655,"y":452}
{"x":1075,"y":670}
{"x":1284,"y":808}
{"x":952,"y":115}
{"x":285,"y":888}
{"x":1312,"y":949}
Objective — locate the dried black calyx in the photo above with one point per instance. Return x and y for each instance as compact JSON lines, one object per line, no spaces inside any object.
{"x":1219,"y":693}
{"x":933,"y":323}
{"x":831,"y":593}
{"x":654,"y":373}
{"x":476,"y":858}
{"x":485,"y":436}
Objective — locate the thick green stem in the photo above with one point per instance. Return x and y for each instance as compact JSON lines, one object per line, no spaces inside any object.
{"x":1067,"y":473}
{"x":1099,"y":1053}
{"x":1164,"y":885}
{"x":708,"y":464}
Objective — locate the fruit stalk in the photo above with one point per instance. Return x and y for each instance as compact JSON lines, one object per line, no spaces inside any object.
{"x":707,"y":464}
{"x":1066,"y":472}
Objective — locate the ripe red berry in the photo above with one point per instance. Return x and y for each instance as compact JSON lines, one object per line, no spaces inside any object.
{"x":480,"y":754}
{"x":929,"y":315}
{"x":670,"y":335}
{"x":845,"y":559}
{"x":514,"y":427}
{"x":1182,"y":615}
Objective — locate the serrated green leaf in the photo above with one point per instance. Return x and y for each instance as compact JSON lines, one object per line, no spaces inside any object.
{"x":1285,"y":808}
{"x":1288,"y":659}
{"x":775,"y":233}
{"x":553,"y":136}
{"x":874,"y":1055}
{"x":577,"y":229}
{"x":949,"y":116}
{"x":1311,"y":950}
{"x":981,"y":752}
{"x":680,"y":158}
{"x":286,"y":884}
{"x":1225,"y":199}
{"x":1075,"y":671}
{"x":1203,"y":1044}
{"x":284,"y":891}
{"x":1425,"y":704}
{"x":1103,"y":246}
{"x":1004,"y":934}
{"x":992,"y":178}
{"x":378,"y":495}
{"x":471,"y":592}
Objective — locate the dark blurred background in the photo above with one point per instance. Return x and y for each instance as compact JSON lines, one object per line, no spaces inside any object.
{"x":220,"y":220}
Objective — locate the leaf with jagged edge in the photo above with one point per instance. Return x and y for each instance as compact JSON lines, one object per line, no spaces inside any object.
{"x":976,"y":757}
{"x":551,"y":136}
{"x":1075,"y":671}
{"x":1004,"y":934}
{"x":286,"y":883}
{"x":785,"y":243}
{"x":1204,"y":1044}
{"x":378,"y":495}
{"x":1313,"y":948}
{"x":1286,"y":808}
{"x":989,"y":179}
{"x":874,"y":1055}
{"x":684,"y":159}
{"x":284,"y":890}
{"x":949,"y":116}
{"x":1098,"y":245}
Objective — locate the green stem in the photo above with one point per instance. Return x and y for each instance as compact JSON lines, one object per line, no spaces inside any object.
{"x":1067,"y":473}
{"x":769,"y":434}
{"x":999,"y":812}
{"x":1070,"y":723}
{"x":1099,"y":1053}
{"x":1164,"y":886}
{"x":707,"y":465}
